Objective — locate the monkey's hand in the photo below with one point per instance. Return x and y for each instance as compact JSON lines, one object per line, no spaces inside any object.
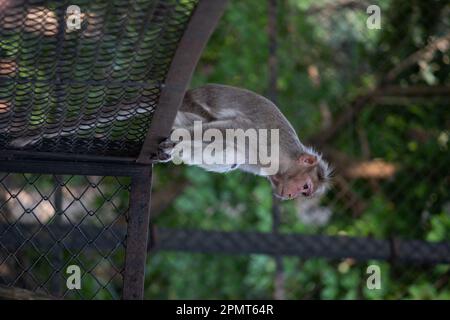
{"x":165,"y":150}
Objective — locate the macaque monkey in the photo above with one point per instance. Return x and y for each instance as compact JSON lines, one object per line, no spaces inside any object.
{"x":301,"y":171}
{"x":219,"y":108}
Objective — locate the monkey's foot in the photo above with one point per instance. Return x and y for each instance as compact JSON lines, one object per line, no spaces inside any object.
{"x":165,"y":150}
{"x":161,"y":157}
{"x":167,"y":145}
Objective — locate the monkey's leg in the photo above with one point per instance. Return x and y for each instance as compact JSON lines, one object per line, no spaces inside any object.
{"x":195,"y":152}
{"x":197,"y":149}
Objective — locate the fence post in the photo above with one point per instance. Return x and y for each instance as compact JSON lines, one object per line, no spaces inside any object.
{"x":279,"y":293}
{"x":58,"y":252}
{"x":137,"y":235}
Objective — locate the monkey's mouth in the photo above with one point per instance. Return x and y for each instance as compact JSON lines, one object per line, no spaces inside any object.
{"x":291,"y":197}
{"x":281,"y":197}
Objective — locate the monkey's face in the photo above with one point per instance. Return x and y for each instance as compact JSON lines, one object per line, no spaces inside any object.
{"x":290,"y":187}
{"x":305,"y":178}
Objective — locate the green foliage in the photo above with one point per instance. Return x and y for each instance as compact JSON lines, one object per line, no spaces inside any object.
{"x":349,"y":58}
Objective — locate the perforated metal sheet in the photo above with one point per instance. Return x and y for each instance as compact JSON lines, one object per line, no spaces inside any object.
{"x":90,"y":91}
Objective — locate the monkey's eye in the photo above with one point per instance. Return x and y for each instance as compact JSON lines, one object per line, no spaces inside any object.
{"x":320,"y":176}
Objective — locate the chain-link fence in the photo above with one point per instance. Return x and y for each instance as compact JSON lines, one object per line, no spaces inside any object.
{"x":49,"y":223}
{"x":76,"y":110}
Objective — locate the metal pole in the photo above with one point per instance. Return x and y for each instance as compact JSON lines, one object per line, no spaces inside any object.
{"x":279,"y":293}
{"x":137,"y":235}
{"x":58,"y":254}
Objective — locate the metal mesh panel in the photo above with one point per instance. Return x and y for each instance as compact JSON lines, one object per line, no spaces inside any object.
{"x":90,"y":91}
{"x":48,"y":223}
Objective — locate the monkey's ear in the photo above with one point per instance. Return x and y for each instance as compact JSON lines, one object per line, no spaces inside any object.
{"x":307,"y":160}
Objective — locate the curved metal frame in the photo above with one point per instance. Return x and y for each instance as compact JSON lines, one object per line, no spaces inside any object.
{"x":199,"y":29}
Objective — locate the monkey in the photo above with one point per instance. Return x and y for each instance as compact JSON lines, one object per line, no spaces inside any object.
{"x":301,"y":170}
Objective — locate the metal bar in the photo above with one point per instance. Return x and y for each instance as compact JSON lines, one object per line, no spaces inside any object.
{"x":58,"y":251}
{"x":200,"y":27}
{"x":279,"y":281}
{"x":71,"y":167}
{"x":59,"y":94}
{"x":137,"y":236}
{"x":304,"y":246}
{"x":17,"y":155}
